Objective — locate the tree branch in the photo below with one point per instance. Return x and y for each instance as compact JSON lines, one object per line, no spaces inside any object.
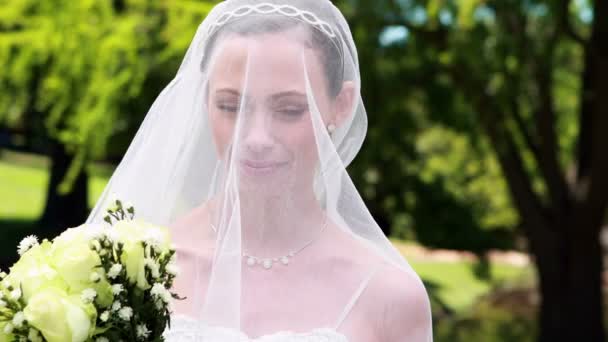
{"x":548,"y":147}
{"x":593,"y":157}
{"x":525,"y":199}
{"x":493,"y":122}
{"x":523,"y":128}
{"x":545,"y":149}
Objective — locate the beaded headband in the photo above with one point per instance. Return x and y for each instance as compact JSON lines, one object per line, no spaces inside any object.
{"x":268,"y":8}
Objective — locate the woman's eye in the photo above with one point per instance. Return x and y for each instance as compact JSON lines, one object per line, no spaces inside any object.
{"x":292,"y":112}
{"x":232,"y":108}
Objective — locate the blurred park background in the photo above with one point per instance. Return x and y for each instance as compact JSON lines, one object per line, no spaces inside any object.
{"x":486,"y":159}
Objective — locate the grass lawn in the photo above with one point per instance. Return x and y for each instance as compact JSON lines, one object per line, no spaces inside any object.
{"x":22,"y":195}
{"x":458,"y":286}
{"x":23,"y":181}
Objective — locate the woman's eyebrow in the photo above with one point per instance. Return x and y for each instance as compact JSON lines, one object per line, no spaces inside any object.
{"x":229,"y":91}
{"x":287,"y":94}
{"x":272,"y":98}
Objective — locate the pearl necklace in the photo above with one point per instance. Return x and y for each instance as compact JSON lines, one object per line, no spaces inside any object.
{"x":267,"y":263}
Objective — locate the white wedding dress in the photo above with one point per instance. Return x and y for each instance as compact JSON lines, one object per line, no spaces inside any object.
{"x":185,"y":329}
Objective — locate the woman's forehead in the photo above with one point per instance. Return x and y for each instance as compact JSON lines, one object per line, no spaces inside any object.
{"x":269,"y":60}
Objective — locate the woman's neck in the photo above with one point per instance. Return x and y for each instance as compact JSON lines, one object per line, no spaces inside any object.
{"x":276,"y":225}
{"x":272,"y":225}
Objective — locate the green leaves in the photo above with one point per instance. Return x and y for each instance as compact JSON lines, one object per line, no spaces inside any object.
{"x":433,"y":7}
{"x":471,"y":175}
{"x":83,"y":65}
{"x":466,"y":9}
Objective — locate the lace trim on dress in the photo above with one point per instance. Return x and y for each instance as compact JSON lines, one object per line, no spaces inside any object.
{"x":185,"y":329}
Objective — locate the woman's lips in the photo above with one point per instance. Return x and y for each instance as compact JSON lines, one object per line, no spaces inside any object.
{"x":261,"y":167}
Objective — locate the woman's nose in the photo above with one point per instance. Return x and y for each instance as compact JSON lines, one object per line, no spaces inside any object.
{"x":258,"y":135}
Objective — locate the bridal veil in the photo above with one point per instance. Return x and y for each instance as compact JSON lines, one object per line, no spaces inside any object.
{"x":244,"y":154}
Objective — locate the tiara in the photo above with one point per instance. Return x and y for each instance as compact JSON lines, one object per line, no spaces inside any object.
{"x":268,"y":8}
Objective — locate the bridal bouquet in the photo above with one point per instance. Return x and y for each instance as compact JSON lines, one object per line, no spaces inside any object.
{"x":91,"y":283}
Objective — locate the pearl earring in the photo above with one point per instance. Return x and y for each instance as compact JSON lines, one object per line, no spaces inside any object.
{"x":331,"y":128}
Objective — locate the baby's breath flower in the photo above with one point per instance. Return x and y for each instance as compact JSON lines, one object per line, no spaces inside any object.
{"x":172,"y":269}
{"x":2,"y":303}
{"x":88,"y":295}
{"x":114,"y":271}
{"x":18,"y":319}
{"x":159,"y":292}
{"x":27,"y":243}
{"x":105,"y":316}
{"x":142,"y":331}
{"x":125,"y":313}
{"x":117,"y":289}
{"x":153,"y":237}
{"x":3,"y":275}
{"x":15,"y":294}
{"x":116,"y":306}
{"x":153,"y":267}
{"x":8,"y":328}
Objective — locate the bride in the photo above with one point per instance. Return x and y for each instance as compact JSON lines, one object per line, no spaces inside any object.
{"x":243,"y":156}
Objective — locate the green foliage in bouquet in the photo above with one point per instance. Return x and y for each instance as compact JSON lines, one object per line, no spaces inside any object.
{"x":91,"y":283}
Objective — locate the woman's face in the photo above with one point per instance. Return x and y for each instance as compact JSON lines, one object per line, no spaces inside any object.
{"x":258,"y":106}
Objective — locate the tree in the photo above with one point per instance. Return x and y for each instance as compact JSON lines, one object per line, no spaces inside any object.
{"x":533,"y":79}
{"x":425,"y":170}
{"x":82,"y":72}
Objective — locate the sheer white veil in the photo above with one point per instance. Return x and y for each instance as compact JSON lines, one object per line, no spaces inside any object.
{"x":243,"y":155}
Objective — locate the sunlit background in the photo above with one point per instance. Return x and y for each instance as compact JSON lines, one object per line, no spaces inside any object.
{"x":486,"y":159}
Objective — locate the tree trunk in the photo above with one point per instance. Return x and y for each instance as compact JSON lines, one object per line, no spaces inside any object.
{"x":564,"y":240}
{"x":68,"y":210}
{"x":569,"y":271}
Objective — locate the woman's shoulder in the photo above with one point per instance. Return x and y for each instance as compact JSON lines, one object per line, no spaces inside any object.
{"x":401,"y":301}
{"x":399,"y":286}
{"x":394,"y":296}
